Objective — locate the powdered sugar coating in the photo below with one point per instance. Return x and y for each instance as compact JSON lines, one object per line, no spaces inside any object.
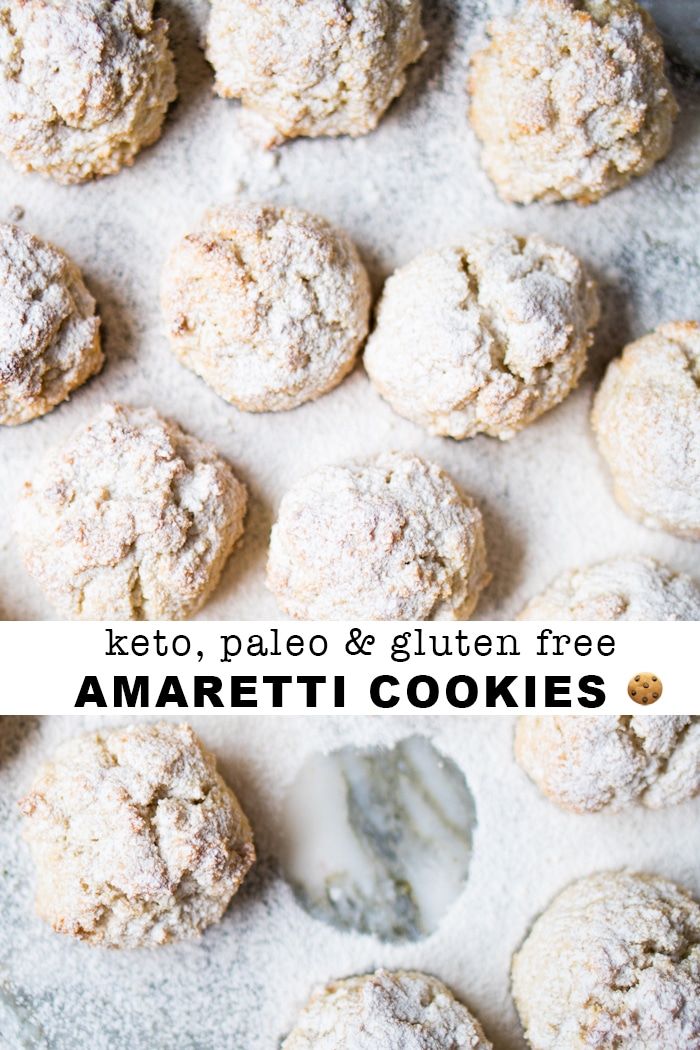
{"x":83,"y":85}
{"x":483,"y":338}
{"x":587,"y":764}
{"x":386,"y":1011}
{"x":570,"y":99}
{"x":136,"y":838}
{"x":268,"y":305}
{"x":132,"y":519}
{"x":619,"y":589}
{"x":49,"y":332}
{"x":314,"y":67}
{"x":389,"y":539}
{"x":646,"y":417}
{"x":614,"y":961}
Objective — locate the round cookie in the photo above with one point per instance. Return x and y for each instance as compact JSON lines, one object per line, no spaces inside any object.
{"x":391,"y":1011}
{"x":645,"y":688}
{"x":586,"y":764}
{"x":83,"y":85}
{"x":614,"y":961}
{"x":314,"y":67}
{"x":268,"y":305}
{"x":498,"y":333}
{"x":570,"y":99}
{"x":49,"y":332}
{"x":137,"y":840}
{"x":132,"y":519}
{"x":619,"y":589}
{"x":646,"y":417}
{"x":388,"y":539}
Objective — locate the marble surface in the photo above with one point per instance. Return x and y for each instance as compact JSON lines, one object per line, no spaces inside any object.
{"x":379,"y":840}
{"x":679,"y":24}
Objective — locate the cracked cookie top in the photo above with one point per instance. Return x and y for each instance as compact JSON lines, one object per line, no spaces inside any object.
{"x":268,"y":305}
{"x":610,"y":761}
{"x":132,"y":519}
{"x":84,"y":85}
{"x":614,"y":961}
{"x":136,"y":838}
{"x":314,"y":67}
{"x":405,"y":1010}
{"x":646,"y":417}
{"x":570,"y":99}
{"x":619,"y":589}
{"x":389,"y":539}
{"x":49,"y":332}
{"x":483,"y":338}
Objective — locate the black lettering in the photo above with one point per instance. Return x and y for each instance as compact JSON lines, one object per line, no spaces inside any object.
{"x":90,"y":693}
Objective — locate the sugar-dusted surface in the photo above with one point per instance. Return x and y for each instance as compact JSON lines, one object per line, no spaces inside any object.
{"x":242,"y":985}
{"x":413,"y":184}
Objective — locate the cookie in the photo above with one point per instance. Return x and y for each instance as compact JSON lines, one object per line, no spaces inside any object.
{"x":618,"y":589}
{"x":83,"y":85}
{"x":268,"y":305}
{"x":499,"y":334}
{"x":386,"y":1011}
{"x":49,"y":331}
{"x":388,"y":539}
{"x":646,"y":417}
{"x":614,"y":961}
{"x":586,"y":764}
{"x":314,"y":67}
{"x":132,"y":519}
{"x":645,"y":688}
{"x":570,"y":99}
{"x":136,"y":838}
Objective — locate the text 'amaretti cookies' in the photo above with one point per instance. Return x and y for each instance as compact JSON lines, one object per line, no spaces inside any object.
{"x":268,"y":305}
{"x":49,"y":330}
{"x":314,"y":67}
{"x":136,"y":838}
{"x":131,"y":519}
{"x":387,"y":539}
{"x":570,"y":99}
{"x":646,"y":417}
{"x":84,"y":85}
{"x":405,"y":1010}
{"x":483,"y":338}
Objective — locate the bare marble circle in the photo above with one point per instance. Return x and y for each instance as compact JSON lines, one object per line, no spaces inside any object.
{"x":379,"y":840}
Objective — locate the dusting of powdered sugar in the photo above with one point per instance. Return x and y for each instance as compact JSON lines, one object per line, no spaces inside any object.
{"x":337,"y":65}
{"x":136,"y":838}
{"x":499,"y":333}
{"x":619,"y":589}
{"x":614,"y":961}
{"x":571,"y":99}
{"x":391,"y":539}
{"x":132,"y":519}
{"x":269,"y":305}
{"x":412,"y":185}
{"x":244,"y":983}
{"x":587,"y":764}
{"x":386,"y":1011}
{"x":49,"y":332}
{"x":83,"y":86}
{"x":646,"y":417}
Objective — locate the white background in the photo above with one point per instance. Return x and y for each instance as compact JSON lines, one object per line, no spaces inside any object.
{"x":44,"y":664}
